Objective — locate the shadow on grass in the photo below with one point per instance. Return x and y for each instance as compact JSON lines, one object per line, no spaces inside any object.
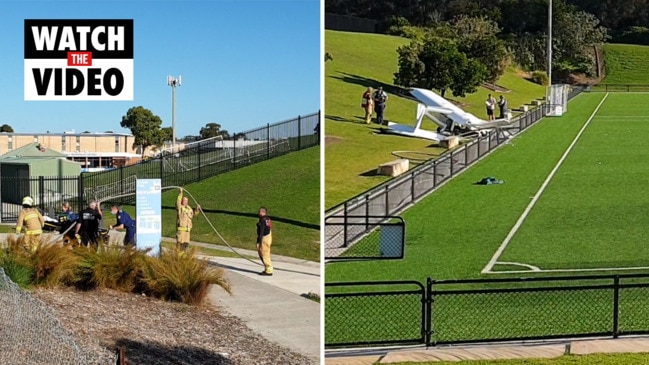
{"x":343,"y":119}
{"x":375,"y":84}
{"x":254,"y":215}
{"x":369,"y":173}
{"x":161,"y":354}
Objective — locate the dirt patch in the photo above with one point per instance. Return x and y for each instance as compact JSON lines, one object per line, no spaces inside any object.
{"x":496,"y":88}
{"x":154,"y":332}
{"x":332,"y":139}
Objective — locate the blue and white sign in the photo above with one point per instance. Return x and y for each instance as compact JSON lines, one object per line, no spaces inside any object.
{"x":148,"y":205}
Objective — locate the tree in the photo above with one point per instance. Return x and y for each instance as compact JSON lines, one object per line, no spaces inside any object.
{"x":212,"y":130}
{"x":438,"y":64}
{"x":6,"y":128}
{"x":145,"y":127}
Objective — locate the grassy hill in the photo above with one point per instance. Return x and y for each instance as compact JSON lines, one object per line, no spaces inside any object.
{"x":626,"y":64}
{"x":352,"y":150}
{"x":289,"y":186}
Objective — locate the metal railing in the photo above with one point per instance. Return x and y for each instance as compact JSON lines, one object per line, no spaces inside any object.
{"x":470,"y":311}
{"x":204,"y":160}
{"x":619,"y":87}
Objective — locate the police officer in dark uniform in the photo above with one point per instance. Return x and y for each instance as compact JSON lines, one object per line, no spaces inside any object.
{"x":87,"y":230}
{"x":124,"y":221}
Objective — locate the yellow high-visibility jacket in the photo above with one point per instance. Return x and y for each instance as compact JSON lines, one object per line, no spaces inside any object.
{"x":32,"y":220}
{"x":185,"y":215}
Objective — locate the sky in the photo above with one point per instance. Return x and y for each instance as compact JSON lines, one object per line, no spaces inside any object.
{"x":244,"y":63}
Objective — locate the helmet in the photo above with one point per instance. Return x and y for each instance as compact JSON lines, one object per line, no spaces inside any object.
{"x":28,"y":201}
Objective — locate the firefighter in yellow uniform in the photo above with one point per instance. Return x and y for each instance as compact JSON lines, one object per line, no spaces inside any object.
{"x":184,"y":222}
{"x":32,"y":219}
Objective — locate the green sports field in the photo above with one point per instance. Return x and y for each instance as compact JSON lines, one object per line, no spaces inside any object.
{"x":574,"y":201}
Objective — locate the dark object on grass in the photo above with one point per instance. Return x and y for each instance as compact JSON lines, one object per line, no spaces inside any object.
{"x":489,"y":181}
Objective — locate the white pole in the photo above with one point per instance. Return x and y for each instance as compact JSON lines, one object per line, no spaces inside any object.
{"x":173,"y":117}
{"x":550,"y":42}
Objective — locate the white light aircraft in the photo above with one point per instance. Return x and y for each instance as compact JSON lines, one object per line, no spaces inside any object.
{"x":450,"y":119}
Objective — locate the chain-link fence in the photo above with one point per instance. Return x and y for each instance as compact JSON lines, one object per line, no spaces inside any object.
{"x":374,"y":313}
{"x":29,"y":332}
{"x":466,"y":311}
{"x":382,"y":239}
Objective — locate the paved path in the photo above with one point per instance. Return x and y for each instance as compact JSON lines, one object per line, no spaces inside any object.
{"x":275,"y":306}
{"x":497,"y":351}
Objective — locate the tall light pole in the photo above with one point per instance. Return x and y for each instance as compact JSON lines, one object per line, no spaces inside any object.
{"x":550,"y":42}
{"x":173,"y":82}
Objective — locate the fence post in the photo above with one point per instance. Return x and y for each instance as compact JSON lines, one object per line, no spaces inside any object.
{"x":345,"y":225}
{"x":79,"y":192}
{"x":427,"y":315}
{"x":412,"y":186}
{"x":267,"y":141}
{"x":299,"y":132}
{"x":162,"y":166}
{"x":616,"y":306}
{"x":121,"y":181}
{"x":41,"y":192}
{"x":199,"y":163}
{"x":367,"y":212}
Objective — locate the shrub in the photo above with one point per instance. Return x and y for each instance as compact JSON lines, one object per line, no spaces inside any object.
{"x":540,"y":77}
{"x":15,"y":266}
{"x":179,"y":276}
{"x":53,"y":264}
{"x":19,"y":271}
{"x":112,"y":267}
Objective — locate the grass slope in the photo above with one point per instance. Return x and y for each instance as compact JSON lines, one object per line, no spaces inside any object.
{"x":289,"y":186}
{"x":453,"y":233}
{"x":626,"y":64}
{"x":352,"y":151}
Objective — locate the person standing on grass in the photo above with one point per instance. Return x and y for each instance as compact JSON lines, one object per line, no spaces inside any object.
{"x":264,"y":241}
{"x":491,"y":107}
{"x":124,"y":221}
{"x":380,"y":98}
{"x":184,"y":221}
{"x":502,"y":105}
{"x":368,"y":105}
{"x":87,"y":230}
{"x":32,"y":219}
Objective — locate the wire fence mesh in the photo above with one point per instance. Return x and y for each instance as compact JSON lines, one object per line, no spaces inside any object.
{"x":485,"y":310}
{"x":354,"y":318}
{"x":380,"y":238}
{"x":30,"y":334}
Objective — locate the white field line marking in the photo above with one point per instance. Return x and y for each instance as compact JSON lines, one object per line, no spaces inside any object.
{"x":531,"y":267}
{"x":570,"y":270}
{"x":536,"y":197}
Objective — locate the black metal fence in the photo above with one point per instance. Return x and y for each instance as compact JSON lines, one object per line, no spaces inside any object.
{"x":198,"y":162}
{"x":469,"y":311}
{"x":383,"y":239}
{"x":393,"y":196}
{"x":619,"y":87}
{"x":48,"y":193}
{"x":208,"y":159}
